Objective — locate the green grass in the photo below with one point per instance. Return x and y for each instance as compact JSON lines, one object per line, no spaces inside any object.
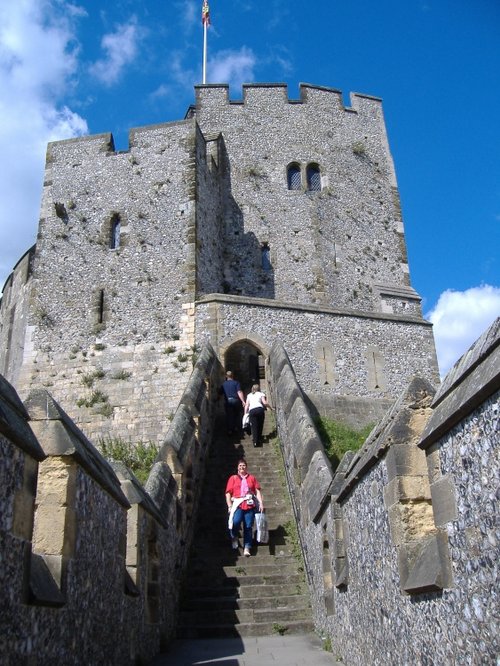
{"x":338,"y":438}
{"x":139,"y":458}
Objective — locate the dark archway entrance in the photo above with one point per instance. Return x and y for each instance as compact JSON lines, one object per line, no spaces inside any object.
{"x":246,"y":362}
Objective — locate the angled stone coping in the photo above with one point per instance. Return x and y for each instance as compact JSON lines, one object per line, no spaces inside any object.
{"x":473,"y":379}
{"x":315,"y":468}
{"x":59,"y":436}
{"x":403,"y":291}
{"x":252,"y":301}
{"x":14,"y":422}
{"x":162,"y":487}
{"x":135,"y":492}
{"x":278,"y":358}
{"x":394,"y":431}
{"x":317,"y":484}
{"x":183,"y":428}
{"x":178,"y":438}
{"x":194,"y":392}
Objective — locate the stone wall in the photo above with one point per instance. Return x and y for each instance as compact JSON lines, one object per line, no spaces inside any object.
{"x":90,"y":561}
{"x":349,"y":364}
{"x":341,"y":246}
{"x":401,"y":543}
{"x":14,"y":313}
{"x":103,"y":322}
{"x":132,"y":246}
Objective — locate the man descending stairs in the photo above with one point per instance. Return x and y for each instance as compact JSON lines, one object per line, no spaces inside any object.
{"x":226,"y":593}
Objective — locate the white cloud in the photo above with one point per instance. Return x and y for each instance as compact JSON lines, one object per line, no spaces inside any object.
{"x":38,"y":58}
{"x":233,"y":67}
{"x":459,"y":318}
{"x":121,"y":48}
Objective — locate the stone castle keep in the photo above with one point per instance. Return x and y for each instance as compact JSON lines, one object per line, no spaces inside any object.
{"x":247,"y":222}
{"x":265,"y":236}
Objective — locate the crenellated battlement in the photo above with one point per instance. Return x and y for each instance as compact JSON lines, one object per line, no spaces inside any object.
{"x":273,"y":94}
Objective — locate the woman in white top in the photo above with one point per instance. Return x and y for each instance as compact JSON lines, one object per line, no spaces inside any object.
{"x":255,"y":407}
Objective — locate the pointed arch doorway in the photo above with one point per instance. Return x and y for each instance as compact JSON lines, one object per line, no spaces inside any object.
{"x":247,"y":362}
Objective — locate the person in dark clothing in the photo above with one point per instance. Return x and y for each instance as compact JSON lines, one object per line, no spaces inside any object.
{"x":234,"y":400}
{"x":255,"y":407}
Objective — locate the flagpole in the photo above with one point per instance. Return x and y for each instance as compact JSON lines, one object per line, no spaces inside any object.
{"x":205,"y":17}
{"x":204,"y":52}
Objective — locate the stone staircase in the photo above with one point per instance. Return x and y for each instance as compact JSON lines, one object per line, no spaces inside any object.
{"x":225,"y":593}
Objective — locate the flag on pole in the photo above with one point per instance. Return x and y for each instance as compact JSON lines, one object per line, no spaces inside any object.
{"x":205,"y":13}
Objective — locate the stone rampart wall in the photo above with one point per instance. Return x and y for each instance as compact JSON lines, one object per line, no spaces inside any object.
{"x":401,"y":542}
{"x":14,"y":313}
{"x":90,"y":561}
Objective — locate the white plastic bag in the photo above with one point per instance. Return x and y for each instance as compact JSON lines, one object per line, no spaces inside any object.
{"x":262,"y":527}
{"x":245,"y":425}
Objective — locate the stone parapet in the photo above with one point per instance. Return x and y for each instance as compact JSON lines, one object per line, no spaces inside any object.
{"x":81,"y":539}
{"x":411,"y":527}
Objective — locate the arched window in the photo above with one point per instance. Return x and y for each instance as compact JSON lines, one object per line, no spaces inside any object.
{"x":313,"y":178}
{"x":114,"y":240}
{"x":293,"y":177}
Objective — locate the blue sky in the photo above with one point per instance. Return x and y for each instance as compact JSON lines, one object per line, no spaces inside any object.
{"x":70,"y":68}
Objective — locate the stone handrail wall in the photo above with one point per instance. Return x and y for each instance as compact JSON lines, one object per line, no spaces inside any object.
{"x":91,"y":562}
{"x":400,"y":541}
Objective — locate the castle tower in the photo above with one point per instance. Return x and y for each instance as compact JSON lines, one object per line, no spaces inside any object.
{"x":245,"y":222}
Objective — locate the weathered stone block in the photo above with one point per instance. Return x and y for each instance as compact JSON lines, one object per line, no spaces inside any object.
{"x":43,"y":588}
{"x":403,"y":460}
{"x":428,"y":564}
{"x":444,"y":501}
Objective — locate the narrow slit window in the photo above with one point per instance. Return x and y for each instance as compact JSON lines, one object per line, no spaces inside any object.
{"x":114,"y":241}
{"x":293,"y":177}
{"x":266,"y":257}
{"x":100,"y":311}
{"x":313,"y":178}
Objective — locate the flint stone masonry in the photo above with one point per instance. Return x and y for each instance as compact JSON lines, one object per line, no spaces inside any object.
{"x":95,"y":577}
{"x":330,"y":259}
{"x":137,"y":249}
{"x":406,"y":346}
{"x":155,"y":268}
{"x":384,"y":556}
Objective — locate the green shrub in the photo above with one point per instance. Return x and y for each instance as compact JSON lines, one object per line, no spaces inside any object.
{"x":169,"y":350}
{"x":88,"y":378}
{"x":106,"y":410}
{"x":338,"y":438}
{"x":122,"y":374}
{"x":358,"y":148}
{"x":139,"y":458}
{"x":94,"y":399}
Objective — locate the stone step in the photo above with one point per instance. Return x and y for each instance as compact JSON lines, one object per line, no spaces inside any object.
{"x":232,"y":602}
{"x":272,"y":592}
{"x":263,"y":553}
{"x":227,"y":594}
{"x":237,"y":581}
{"x":238,"y":616}
{"x":279,"y":544}
{"x":246,"y":569}
{"x":246,"y":629}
